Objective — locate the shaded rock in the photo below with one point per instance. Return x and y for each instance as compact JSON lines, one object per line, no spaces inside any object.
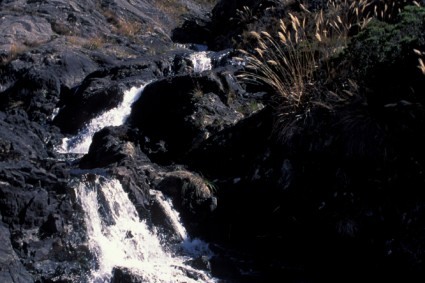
{"x":22,"y":138}
{"x":110,"y":146}
{"x":224,"y":268}
{"x":190,"y":192}
{"x":201,"y":263}
{"x":11,"y":269}
{"x":35,"y":90}
{"x":230,"y":153}
{"x":176,"y":114}
{"x":191,"y":195}
{"x":93,"y":97}
{"x":193,"y":30}
{"x":53,"y":224}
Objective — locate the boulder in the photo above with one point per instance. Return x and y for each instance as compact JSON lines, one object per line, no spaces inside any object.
{"x":175,"y":115}
{"x":113,"y":149}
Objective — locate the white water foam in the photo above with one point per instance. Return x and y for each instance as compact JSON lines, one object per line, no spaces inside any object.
{"x":192,"y":247}
{"x":200,"y":61}
{"x":126,"y":241}
{"x":173,"y":215}
{"x":115,"y":117}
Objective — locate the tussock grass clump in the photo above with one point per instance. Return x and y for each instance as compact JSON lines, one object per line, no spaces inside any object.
{"x":128,"y":28}
{"x":336,"y":64}
{"x":172,"y":9}
{"x":122,"y":26}
{"x":286,"y":65}
{"x":94,"y":43}
{"x":287,"y":62}
{"x":287,"y":59}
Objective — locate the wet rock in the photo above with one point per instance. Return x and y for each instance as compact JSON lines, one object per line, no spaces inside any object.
{"x":201,"y":263}
{"x":113,"y":148}
{"x":110,"y":146}
{"x":230,"y":154}
{"x":78,"y":58}
{"x":11,"y":269}
{"x":89,"y":100}
{"x":53,"y":224}
{"x":124,"y":275}
{"x":100,"y":92}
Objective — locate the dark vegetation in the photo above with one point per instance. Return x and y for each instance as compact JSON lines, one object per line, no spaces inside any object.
{"x":328,"y":187}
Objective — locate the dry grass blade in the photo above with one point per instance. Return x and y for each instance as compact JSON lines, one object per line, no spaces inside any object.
{"x":286,"y":62}
{"x":421,"y":66}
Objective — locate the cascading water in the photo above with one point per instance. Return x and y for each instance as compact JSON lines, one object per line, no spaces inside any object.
{"x":116,"y":235}
{"x":194,"y":247}
{"x":118,"y":238}
{"x":200,"y":61}
{"x":114,"y":117}
{"x":166,"y":207}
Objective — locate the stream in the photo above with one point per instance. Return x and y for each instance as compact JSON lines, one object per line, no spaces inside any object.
{"x":116,"y":235}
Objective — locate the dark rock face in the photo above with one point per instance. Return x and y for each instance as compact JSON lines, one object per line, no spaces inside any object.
{"x":175,"y":115}
{"x":11,"y":268}
{"x":36,"y":91}
{"x":35,"y":206}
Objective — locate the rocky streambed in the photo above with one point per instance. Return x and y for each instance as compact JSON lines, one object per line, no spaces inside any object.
{"x":73,"y":70}
{"x":130,"y":151}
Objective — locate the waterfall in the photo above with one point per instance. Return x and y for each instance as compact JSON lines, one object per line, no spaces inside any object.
{"x":193,"y":247}
{"x":166,"y":207}
{"x":116,"y":235}
{"x":114,"y":117}
{"x":118,"y":238}
{"x":201,"y":62}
